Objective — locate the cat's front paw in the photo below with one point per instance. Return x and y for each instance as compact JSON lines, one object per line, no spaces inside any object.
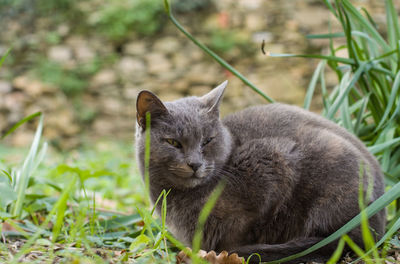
{"x":211,"y":257}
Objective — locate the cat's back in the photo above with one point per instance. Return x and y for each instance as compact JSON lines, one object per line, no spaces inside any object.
{"x":296,"y":124}
{"x":275,"y":120}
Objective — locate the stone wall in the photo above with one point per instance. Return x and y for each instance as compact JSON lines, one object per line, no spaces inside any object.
{"x":166,"y":63}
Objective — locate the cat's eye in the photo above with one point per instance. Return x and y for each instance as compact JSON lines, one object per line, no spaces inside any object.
{"x":173,"y":142}
{"x":208,"y":140}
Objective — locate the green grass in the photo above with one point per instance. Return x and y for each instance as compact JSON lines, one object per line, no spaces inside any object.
{"x":91,"y":205}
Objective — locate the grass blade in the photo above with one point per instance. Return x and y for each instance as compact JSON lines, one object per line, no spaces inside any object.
{"x":26,"y":171}
{"x":313,"y":83}
{"x":381,"y":147}
{"x":392,"y":98}
{"x":3,"y":58}
{"x":19,"y":123}
{"x":392,"y":23}
{"x":324,"y":36}
{"x":313,"y":56}
{"x":360,"y":115}
{"x":338,"y":252}
{"x":364,"y":22}
{"x":205,"y":212}
{"x":339,"y":100}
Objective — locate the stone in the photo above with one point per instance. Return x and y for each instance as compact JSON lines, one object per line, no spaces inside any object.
{"x":3,"y":122}
{"x":312,"y":18}
{"x":63,"y":121}
{"x":31,"y":87}
{"x":201,"y":73}
{"x":293,"y":91}
{"x":181,"y":61}
{"x":103,"y":78}
{"x":250,"y":4}
{"x":5,"y":87}
{"x":157,"y":63}
{"x":130,"y":92}
{"x":131,"y":66}
{"x":14,"y":102}
{"x":49,"y":102}
{"x":103,"y":126}
{"x":135,"y":48}
{"x":255,"y":22}
{"x":22,"y":138}
{"x":60,"y":53}
{"x":167,"y":45}
{"x":181,"y":85}
{"x":84,"y":53}
{"x":110,"y":105}
{"x":82,"y":48}
{"x":63,"y":30}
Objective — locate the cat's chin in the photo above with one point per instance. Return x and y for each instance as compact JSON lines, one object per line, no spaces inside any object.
{"x":189,"y":181}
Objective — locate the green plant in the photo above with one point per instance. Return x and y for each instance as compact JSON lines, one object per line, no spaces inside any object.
{"x":67,"y":80}
{"x":366,"y":100}
{"x":191,"y":5}
{"x":71,"y":81}
{"x":119,"y":18}
{"x":13,"y":195}
{"x":224,"y":41}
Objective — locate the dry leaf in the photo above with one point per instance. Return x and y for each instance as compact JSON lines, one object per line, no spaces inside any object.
{"x":211,"y":257}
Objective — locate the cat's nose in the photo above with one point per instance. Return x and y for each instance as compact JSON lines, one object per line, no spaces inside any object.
{"x":194,"y":165}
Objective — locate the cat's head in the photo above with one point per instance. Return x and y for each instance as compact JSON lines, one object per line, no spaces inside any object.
{"x":188,"y":141}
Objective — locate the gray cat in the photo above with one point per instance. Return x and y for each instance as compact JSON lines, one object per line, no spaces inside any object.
{"x":292,"y":177}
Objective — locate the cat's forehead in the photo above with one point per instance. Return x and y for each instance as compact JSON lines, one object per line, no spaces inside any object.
{"x":188,"y":110}
{"x":188,"y":116}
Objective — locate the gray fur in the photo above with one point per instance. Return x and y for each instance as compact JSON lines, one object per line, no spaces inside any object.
{"x":292,"y":177}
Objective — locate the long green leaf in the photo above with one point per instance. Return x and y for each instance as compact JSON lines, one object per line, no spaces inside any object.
{"x":360,"y":19}
{"x":313,"y":83}
{"x":338,"y":252}
{"x":392,"y":98}
{"x":204,"y":213}
{"x":313,"y":56}
{"x":392,"y":23}
{"x":19,"y":123}
{"x":27,"y":170}
{"x":381,"y":147}
{"x":360,"y":115}
{"x":3,"y":58}
{"x":324,"y":36}
{"x":338,"y":101}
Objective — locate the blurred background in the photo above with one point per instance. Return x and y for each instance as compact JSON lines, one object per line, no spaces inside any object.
{"x":83,"y":62}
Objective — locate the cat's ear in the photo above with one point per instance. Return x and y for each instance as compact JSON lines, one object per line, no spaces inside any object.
{"x":148,"y":102}
{"x":213,"y":98}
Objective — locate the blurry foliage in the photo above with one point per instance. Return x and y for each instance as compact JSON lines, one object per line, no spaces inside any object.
{"x":120,"y":17}
{"x":224,"y":41}
{"x":57,"y":10}
{"x":71,"y":81}
{"x":190,"y":5}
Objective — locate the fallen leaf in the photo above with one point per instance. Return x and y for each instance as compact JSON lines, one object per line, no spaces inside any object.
{"x":211,"y":257}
